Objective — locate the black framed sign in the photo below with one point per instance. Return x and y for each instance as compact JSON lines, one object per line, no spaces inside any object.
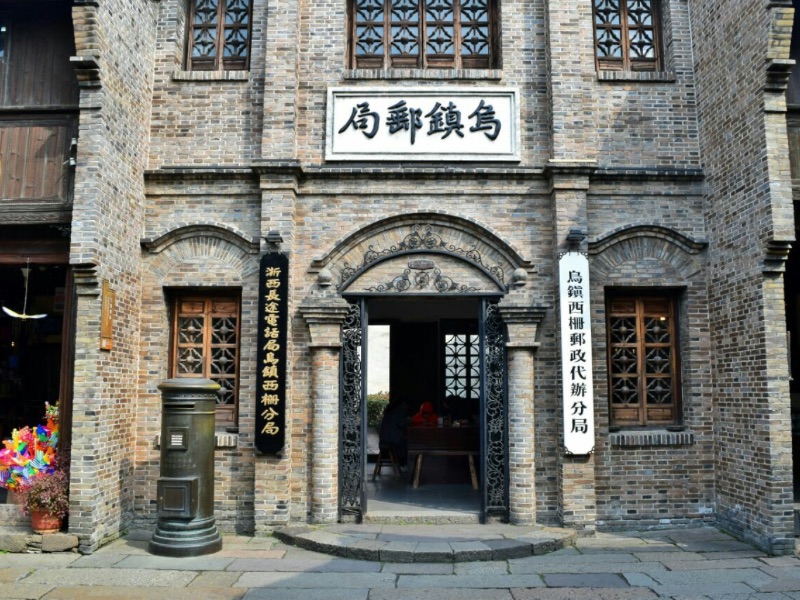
{"x":273,"y":300}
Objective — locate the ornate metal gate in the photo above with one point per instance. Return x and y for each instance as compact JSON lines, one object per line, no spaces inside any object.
{"x":494,"y":428}
{"x":352,"y":417}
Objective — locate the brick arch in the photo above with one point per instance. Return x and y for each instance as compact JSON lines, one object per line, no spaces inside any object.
{"x":631,"y":254}
{"x":423,"y":233}
{"x":202,"y":259}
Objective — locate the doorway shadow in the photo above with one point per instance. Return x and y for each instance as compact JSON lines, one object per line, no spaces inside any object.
{"x":445,"y":493}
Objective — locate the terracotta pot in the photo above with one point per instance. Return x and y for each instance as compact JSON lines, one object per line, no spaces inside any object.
{"x":44,"y":522}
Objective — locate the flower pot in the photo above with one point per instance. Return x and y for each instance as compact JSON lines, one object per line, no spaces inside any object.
{"x":44,"y":522}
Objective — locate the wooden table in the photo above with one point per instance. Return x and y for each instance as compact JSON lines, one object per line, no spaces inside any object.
{"x":443,"y":441}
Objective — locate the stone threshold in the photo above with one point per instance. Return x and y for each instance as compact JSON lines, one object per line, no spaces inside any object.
{"x":23,"y":540}
{"x":428,"y":543}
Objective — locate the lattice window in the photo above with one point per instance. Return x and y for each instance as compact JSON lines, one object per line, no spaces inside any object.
{"x":643,"y":362}
{"x":424,"y":34}
{"x":626,"y":35}
{"x":218,"y":35}
{"x":205,"y":344}
{"x":462,"y":369}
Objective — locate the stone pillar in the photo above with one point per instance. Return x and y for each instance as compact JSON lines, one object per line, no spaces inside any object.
{"x":324,"y":317}
{"x":576,"y":475}
{"x":522,"y":323}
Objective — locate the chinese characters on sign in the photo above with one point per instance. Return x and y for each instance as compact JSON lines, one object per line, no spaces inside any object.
{"x":271,"y":372}
{"x":441,"y":120}
{"x":576,"y":354}
{"x":422,"y":124}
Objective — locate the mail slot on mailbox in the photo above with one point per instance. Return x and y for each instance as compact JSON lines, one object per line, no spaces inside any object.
{"x":185,"y":490}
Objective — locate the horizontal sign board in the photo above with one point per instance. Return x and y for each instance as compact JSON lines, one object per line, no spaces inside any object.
{"x":430,"y":124}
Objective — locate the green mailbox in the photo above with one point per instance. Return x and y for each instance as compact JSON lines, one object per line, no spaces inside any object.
{"x":185,"y":490}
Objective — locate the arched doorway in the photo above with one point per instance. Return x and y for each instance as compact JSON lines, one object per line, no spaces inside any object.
{"x":437,"y":280}
{"x":449,"y":354}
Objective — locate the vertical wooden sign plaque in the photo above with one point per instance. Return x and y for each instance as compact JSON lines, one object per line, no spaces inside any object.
{"x":273,"y":302}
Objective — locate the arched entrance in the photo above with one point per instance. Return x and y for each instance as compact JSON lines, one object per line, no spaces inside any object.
{"x":449,"y":354}
{"x":457,"y":275}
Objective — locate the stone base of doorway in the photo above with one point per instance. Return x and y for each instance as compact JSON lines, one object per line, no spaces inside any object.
{"x":421,"y":518}
{"x":23,"y":540}
{"x":411,"y":543}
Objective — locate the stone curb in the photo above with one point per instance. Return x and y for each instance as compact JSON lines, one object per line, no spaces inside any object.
{"x":516,"y":543}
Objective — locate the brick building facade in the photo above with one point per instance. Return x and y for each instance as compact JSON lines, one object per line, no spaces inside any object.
{"x":657,"y":149}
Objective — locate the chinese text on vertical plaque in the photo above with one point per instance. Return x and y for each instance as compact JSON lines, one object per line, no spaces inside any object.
{"x":273,"y":291}
{"x":576,"y":354}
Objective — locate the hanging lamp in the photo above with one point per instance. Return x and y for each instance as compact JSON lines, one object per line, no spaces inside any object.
{"x":26,"y":272}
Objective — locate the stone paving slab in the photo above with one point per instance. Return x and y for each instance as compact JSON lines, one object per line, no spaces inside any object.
{"x":469,"y":581}
{"x":705,"y":564}
{"x":13,"y":574}
{"x":650,"y":568}
{"x":481,"y":568}
{"x":325,"y":565}
{"x":304,"y":594}
{"x":576,"y":593}
{"x":25,"y":591}
{"x":317,"y":580}
{"x":38,"y":561}
{"x":419,"y":568}
{"x":140,"y":593}
{"x":111,"y":577}
{"x":441,"y":594}
{"x":754,"y":577}
{"x":781,"y":585}
{"x":215,"y":579}
{"x":98,"y":559}
{"x":600,"y":580}
{"x":209,"y":562}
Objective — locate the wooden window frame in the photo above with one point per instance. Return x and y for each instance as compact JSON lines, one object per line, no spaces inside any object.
{"x":218,"y":62}
{"x":640,"y":413}
{"x":226,"y":414}
{"x":424,"y":60}
{"x":625,"y":62}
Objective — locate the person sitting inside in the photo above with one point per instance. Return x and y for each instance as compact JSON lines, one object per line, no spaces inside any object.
{"x":392,"y":434}
{"x":426,"y":416}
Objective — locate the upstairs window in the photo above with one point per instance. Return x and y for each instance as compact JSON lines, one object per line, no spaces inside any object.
{"x":420,"y":34}
{"x":643,"y":366}
{"x":219,"y":35}
{"x":626,"y":35}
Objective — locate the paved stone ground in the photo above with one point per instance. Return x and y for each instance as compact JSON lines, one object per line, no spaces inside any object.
{"x":695,"y":563}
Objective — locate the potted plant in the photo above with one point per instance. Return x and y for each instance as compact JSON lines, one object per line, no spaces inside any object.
{"x":31,"y":468}
{"x":46,"y":500}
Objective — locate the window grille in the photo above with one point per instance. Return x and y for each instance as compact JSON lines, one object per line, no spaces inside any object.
{"x":205,"y":343}
{"x":626,"y":35}
{"x":424,"y":34}
{"x":643,"y":361}
{"x":219,"y":35}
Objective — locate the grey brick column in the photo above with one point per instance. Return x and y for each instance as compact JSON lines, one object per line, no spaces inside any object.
{"x":522,"y":323}
{"x":576,"y":474}
{"x":324,"y":317}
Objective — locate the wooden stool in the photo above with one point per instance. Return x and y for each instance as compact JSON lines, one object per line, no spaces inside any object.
{"x":382,"y":456}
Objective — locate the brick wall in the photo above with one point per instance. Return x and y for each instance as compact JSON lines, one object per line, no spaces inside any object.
{"x":108,"y":221}
{"x":635,"y":146}
{"x":748,"y":211}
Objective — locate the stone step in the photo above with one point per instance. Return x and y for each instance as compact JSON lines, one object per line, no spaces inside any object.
{"x":23,"y":540}
{"x":410,"y":543}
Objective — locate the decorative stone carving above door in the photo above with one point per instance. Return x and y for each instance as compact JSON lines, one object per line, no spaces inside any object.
{"x":423,"y":253}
